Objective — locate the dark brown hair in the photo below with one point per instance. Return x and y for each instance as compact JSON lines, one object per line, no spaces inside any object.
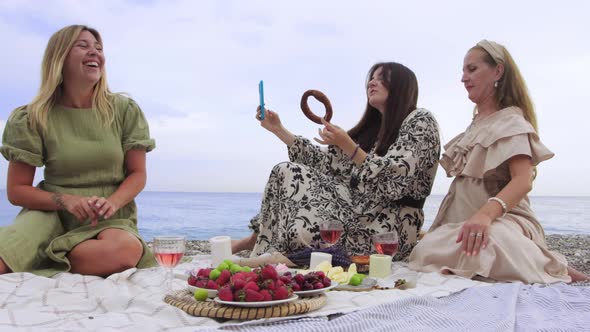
{"x":381,"y":131}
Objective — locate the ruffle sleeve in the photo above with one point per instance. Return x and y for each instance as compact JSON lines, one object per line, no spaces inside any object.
{"x":20,"y":142}
{"x":136,"y":132}
{"x":480,"y":151}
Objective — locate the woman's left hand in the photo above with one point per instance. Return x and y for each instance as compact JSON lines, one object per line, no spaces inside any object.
{"x":474,"y":234}
{"x":103,"y":207}
{"x":332,"y":135}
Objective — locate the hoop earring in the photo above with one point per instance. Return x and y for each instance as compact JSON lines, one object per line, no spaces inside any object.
{"x":496,"y":84}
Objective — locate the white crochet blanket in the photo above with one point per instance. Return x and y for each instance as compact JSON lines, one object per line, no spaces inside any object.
{"x":133,"y":301}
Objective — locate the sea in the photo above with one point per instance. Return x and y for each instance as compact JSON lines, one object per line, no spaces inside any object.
{"x":200,"y":216}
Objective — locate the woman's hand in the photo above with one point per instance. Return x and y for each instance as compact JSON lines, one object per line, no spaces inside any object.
{"x":474,"y":234}
{"x":271,"y":121}
{"x":78,"y":206}
{"x":333,"y":135}
{"x":103,"y":207}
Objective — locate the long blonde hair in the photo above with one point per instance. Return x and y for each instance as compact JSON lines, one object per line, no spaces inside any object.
{"x":511,"y":89}
{"x":56,"y":52}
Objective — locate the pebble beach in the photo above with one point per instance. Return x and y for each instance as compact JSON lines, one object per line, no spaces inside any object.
{"x":575,"y":247}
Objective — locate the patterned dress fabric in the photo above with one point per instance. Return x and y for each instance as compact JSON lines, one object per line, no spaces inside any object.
{"x":478,"y":159}
{"x":323,"y":184}
{"x":81,"y":157}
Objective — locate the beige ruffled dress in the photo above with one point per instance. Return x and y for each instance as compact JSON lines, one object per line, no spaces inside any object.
{"x":478,"y":159}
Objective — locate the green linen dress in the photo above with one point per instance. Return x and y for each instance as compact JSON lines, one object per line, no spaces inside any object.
{"x":81,"y":157}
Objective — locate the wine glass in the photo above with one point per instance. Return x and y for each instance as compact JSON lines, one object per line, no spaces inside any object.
{"x":169,"y":250}
{"x":386,"y":243}
{"x":330,"y":231}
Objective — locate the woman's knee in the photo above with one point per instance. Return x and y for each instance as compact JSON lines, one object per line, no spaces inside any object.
{"x":123,"y":248}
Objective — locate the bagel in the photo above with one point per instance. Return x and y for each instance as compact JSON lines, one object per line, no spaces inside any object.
{"x":319,"y":96}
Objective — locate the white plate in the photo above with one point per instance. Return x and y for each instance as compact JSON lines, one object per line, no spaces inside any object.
{"x":314,"y":292}
{"x":256,"y":304}
{"x":211,"y":293}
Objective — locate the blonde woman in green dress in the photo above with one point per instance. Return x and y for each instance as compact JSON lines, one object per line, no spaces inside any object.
{"x":93,"y":144}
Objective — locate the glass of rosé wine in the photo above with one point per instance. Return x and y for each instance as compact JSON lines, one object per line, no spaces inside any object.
{"x":330,"y":231}
{"x":169,"y":250}
{"x":386,"y":243}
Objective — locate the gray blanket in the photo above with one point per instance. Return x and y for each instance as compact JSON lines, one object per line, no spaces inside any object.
{"x":503,"y":307}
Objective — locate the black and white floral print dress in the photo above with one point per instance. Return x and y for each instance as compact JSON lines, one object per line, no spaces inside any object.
{"x":384,"y":193}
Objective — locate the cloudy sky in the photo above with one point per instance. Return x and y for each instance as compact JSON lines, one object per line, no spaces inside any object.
{"x":193,"y":67}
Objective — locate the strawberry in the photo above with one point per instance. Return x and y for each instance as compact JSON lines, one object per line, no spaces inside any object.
{"x":239,"y":275}
{"x":268,"y":284}
{"x":251,"y":276}
{"x":251,"y":285}
{"x":201,"y":283}
{"x":192,"y":280}
{"x":225,"y":294}
{"x":212,"y":285}
{"x":224,"y":277}
{"x":238,"y":283}
{"x":279,"y":283}
{"x":253,"y":296}
{"x":266,"y":295}
{"x":281,"y":293}
{"x":269,"y":272}
{"x":204,"y":273}
{"x":285,"y":279}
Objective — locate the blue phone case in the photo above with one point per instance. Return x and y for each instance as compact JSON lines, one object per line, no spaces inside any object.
{"x":261,"y":94}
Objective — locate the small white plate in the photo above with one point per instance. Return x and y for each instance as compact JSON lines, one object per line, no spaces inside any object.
{"x":314,"y":292}
{"x":211,"y":293}
{"x":256,"y":304}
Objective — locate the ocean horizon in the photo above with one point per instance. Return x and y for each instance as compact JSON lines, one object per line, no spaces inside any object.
{"x":202,"y":215}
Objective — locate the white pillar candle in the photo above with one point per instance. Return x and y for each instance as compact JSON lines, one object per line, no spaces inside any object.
{"x":220,"y":249}
{"x":379,"y":266}
{"x":317,"y":258}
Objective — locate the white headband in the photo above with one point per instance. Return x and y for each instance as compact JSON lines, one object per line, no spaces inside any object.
{"x":494,"y":49}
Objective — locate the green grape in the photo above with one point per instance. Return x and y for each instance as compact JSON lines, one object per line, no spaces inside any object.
{"x":214,"y":274}
{"x":201,"y":294}
{"x":222,"y":266}
{"x":355,"y":280}
{"x":235,"y":268}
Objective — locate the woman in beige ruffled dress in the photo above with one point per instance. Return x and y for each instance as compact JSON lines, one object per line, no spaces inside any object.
{"x":485,"y":226}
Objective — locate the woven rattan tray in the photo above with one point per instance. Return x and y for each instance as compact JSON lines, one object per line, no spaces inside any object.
{"x":184,"y":300}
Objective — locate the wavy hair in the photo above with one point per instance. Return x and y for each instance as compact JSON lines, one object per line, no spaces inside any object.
{"x":512,"y":89}
{"x":381,"y":131}
{"x":50,"y":92}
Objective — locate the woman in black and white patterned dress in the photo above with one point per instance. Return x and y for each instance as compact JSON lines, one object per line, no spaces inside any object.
{"x":372,"y":179}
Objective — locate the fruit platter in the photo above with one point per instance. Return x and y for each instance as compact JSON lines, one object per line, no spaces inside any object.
{"x":231,"y":284}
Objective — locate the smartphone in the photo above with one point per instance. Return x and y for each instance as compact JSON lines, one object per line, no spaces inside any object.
{"x":261,"y":95}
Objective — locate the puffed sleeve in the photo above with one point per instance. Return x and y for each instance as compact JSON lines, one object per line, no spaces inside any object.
{"x":136,"y":132}
{"x":325,"y":159}
{"x":20,"y":142}
{"x":407,"y":163}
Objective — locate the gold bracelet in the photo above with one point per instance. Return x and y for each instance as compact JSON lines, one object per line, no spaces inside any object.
{"x":502,"y":204}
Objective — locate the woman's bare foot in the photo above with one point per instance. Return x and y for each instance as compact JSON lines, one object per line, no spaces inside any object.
{"x":576,"y":275}
{"x":246,"y":243}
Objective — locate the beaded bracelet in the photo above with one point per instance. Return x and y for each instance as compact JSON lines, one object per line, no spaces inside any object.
{"x":354,"y":153}
{"x":501,"y":202}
